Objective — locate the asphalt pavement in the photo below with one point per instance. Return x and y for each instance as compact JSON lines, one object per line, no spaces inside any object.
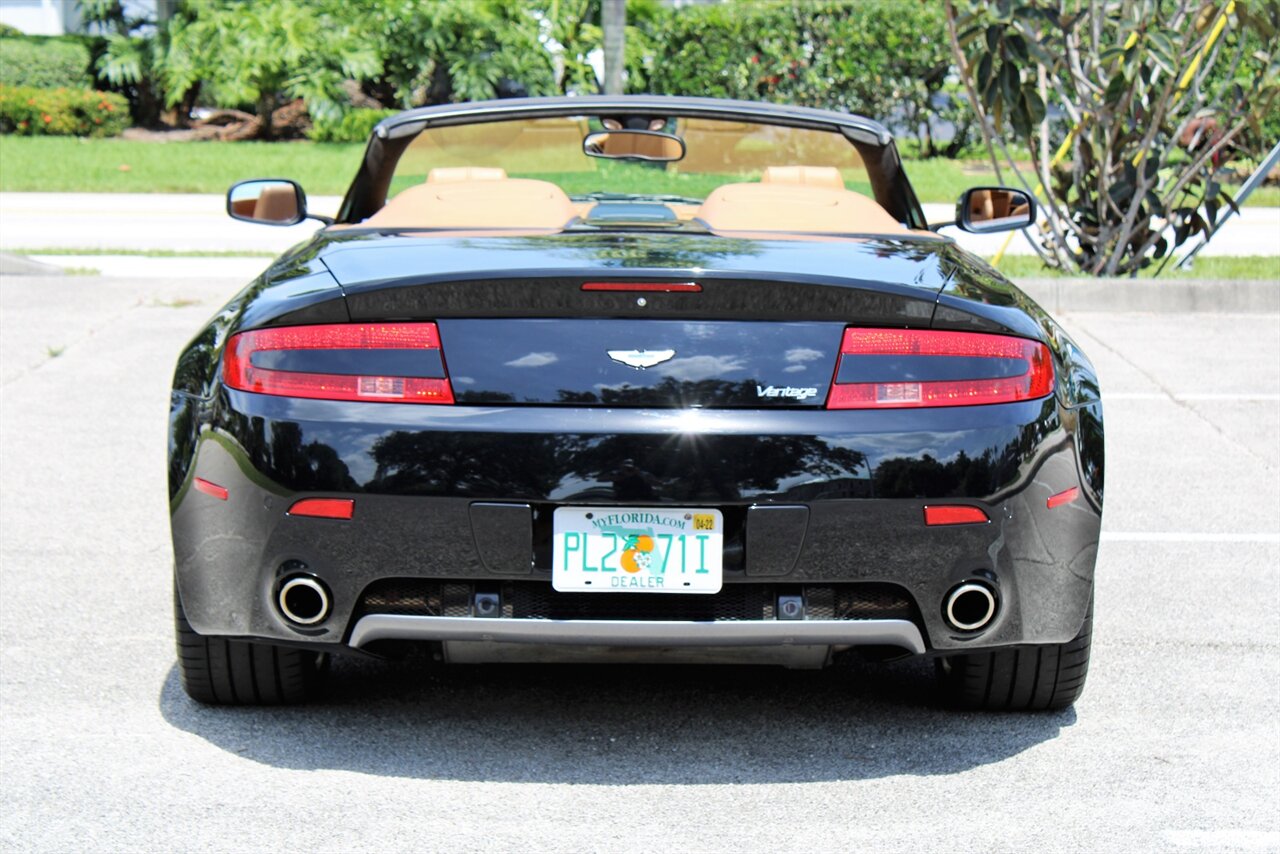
{"x":1174,"y":746}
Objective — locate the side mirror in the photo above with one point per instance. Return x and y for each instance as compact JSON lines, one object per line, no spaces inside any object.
{"x":983,"y":210}
{"x":271,"y":201}
{"x":634,"y":145}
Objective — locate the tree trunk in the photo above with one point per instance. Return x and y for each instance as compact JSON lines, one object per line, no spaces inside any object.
{"x":613,"y":20}
{"x":266,"y":106}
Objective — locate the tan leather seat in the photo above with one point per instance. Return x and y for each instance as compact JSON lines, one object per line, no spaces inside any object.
{"x":793,"y":207}
{"x":808,"y":176}
{"x":986,"y":205}
{"x":459,"y":174}
{"x":488,"y":203}
{"x":276,"y":204}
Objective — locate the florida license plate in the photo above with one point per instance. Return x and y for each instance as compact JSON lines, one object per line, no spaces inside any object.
{"x":637,"y":550}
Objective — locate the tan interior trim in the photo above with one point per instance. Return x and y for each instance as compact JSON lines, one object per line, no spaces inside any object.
{"x":795,"y":208}
{"x":486,"y":203}
{"x":458,"y":174}
{"x":809,"y":176}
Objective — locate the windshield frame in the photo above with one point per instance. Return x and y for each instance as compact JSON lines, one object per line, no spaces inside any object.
{"x":875,"y":145}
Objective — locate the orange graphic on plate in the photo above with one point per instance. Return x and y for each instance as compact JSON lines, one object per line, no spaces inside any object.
{"x":636,"y":556}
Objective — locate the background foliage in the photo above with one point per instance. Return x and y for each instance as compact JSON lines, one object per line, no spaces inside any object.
{"x":44,"y":63}
{"x":882,"y":58}
{"x":29,"y":111}
{"x":1154,"y":96}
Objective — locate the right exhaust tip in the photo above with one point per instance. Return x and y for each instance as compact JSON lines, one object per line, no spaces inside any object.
{"x":303,"y":600}
{"x":970,"y":606}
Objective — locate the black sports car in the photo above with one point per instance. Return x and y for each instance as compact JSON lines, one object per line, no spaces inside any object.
{"x":634,"y":378}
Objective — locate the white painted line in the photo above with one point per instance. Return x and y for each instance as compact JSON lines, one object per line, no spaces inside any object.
{"x":1191,"y":398}
{"x":1184,"y":537}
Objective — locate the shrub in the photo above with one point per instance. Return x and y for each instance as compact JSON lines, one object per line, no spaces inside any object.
{"x":355,"y":126}
{"x":1152,"y":113}
{"x":884,"y":59}
{"x":61,"y":112}
{"x":44,"y":63}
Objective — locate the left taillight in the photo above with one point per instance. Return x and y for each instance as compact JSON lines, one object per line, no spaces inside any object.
{"x":908,"y":368}
{"x":371,"y":362}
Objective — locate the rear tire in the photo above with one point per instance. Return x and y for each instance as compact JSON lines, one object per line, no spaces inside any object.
{"x":228,"y":671}
{"x":1019,"y":679}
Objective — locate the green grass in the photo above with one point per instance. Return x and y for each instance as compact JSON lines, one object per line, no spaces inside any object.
{"x":69,"y":165}
{"x":1265,"y":267}
{"x":62,"y":164}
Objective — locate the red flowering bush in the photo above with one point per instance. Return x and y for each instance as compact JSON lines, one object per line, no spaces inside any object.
{"x":62,"y":112}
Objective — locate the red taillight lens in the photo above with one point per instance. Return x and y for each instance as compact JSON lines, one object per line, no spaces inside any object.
{"x":1064,"y":497}
{"x":954,"y":514}
{"x":324,"y":508}
{"x":897,"y":368}
{"x":373,"y":362}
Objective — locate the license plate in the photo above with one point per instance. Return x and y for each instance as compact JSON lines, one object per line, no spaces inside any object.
{"x":637,"y":550}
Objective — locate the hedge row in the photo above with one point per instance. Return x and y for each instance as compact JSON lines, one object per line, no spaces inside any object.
{"x":887,"y":59}
{"x":44,"y":63}
{"x":28,"y":111}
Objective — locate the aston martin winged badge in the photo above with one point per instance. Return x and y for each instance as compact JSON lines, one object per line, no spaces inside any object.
{"x":640,"y":359}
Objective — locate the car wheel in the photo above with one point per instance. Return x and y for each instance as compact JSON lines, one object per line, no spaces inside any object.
{"x":1022,"y":678}
{"x":229,"y":671}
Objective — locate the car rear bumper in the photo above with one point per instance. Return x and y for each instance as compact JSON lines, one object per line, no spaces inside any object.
{"x":814,"y":502}
{"x":650,"y":633}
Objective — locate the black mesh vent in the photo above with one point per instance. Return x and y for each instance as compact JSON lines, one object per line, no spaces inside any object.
{"x":536,"y":600}
{"x":402,"y":596}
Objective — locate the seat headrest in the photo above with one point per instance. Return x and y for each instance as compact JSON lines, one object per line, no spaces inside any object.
{"x":794,"y":208}
{"x":501,"y":203}
{"x":457,"y":174}
{"x":809,"y":176}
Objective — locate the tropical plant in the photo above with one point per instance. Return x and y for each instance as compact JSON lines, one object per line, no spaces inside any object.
{"x":1154,"y":96}
{"x":881,"y":58}
{"x":575,"y":34}
{"x":242,"y":53}
{"x":353,"y":126}
{"x":129,"y":60}
{"x":436,"y":51}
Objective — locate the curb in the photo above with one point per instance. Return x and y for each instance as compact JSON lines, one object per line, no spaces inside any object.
{"x":1244,"y":296}
{"x":20,"y":265}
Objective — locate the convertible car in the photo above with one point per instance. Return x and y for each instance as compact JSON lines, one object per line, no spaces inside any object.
{"x":634,"y":379}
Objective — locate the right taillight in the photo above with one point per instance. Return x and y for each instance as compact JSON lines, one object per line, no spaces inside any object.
{"x":370,"y":362}
{"x":900,"y":368}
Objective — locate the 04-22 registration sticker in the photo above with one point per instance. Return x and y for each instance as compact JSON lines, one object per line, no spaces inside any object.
{"x":637,"y":550}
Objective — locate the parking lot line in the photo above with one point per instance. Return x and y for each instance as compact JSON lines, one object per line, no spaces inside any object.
{"x":1211,"y":396}
{"x":1187,"y":537}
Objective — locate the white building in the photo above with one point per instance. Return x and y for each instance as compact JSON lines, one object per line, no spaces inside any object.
{"x":59,"y":17}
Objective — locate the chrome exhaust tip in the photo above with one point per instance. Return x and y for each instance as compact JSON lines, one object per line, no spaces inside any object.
{"x":970,"y":606}
{"x":303,"y":600}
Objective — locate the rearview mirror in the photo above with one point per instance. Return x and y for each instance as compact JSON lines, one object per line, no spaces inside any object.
{"x":983,"y":210}
{"x":634,"y":145}
{"x":272,"y":201}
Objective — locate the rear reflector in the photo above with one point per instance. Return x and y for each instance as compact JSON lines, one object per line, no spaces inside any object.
{"x":324,"y":508}
{"x":647,"y":287}
{"x":954,"y":515}
{"x":208,"y":487}
{"x":900,"y":368}
{"x":1064,"y":497}
{"x":341,"y":362}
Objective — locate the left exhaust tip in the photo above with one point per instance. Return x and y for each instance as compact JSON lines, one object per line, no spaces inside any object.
{"x":970,"y":606}
{"x":303,"y":600}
